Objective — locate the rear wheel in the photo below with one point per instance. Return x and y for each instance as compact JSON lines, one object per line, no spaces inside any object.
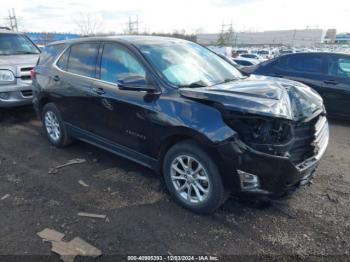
{"x":54,"y":126}
{"x":192,"y":178}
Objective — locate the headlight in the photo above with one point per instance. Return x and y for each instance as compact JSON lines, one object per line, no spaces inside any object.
{"x":6,"y":76}
{"x":263,"y":134}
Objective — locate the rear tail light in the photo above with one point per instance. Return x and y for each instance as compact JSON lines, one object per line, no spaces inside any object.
{"x":32,"y":73}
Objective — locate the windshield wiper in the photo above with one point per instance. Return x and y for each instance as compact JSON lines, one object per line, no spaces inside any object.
{"x":194,"y":84}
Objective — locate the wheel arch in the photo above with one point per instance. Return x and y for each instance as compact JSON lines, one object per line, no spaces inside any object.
{"x":181,"y":135}
{"x":42,"y":102}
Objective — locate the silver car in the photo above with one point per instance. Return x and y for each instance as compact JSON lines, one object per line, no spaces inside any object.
{"x":18,"y":56}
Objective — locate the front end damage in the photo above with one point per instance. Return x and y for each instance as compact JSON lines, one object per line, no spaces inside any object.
{"x":282,"y":133}
{"x":273,"y":159}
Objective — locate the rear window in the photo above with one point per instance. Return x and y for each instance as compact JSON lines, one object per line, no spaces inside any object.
{"x":49,"y":54}
{"x":82,"y":59}
{"x":301,"y":63}
{"x":62,"y":62}
{"x":311,"y":64}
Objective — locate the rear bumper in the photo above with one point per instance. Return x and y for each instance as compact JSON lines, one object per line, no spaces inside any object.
{"x":15,"y":95}
{"x":277,"y":176}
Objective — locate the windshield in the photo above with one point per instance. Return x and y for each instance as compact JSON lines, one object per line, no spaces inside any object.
{"x":188,"y":64}
{"x":14,"y":44}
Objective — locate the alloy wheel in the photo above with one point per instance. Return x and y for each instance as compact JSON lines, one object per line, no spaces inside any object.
{"x":52,"y":126}
{"x":190,"y":179}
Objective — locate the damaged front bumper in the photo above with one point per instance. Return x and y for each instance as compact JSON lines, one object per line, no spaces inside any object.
{"x":273,"y":176}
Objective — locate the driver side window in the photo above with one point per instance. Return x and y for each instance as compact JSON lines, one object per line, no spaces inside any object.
{"x":117,"y":64}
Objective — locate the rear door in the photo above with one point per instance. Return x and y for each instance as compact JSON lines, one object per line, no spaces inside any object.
{"x":336,"y":91}
{"x":305,"y":68}
{"x":44,"y":80}
{"x":74,"y":75}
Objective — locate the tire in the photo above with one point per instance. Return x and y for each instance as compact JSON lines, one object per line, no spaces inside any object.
{"x":178,"y":180}
{"x":54,"y":127}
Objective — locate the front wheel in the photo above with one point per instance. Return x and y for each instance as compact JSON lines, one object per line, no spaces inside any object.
{"x":192,"y":178}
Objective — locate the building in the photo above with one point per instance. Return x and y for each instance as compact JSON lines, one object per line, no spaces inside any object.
{"x":330,"y":36}
{"x":342,"y":38}
{"x":307,"y":37}
{"x":46,"y":38}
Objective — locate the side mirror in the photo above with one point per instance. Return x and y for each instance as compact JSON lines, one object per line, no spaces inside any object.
{"x":136,"y":83}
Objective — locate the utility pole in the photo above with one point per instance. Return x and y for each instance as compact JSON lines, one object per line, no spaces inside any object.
{"x":13,"y":20}
{"x":226,"y":35}
{"x":133,"y":26}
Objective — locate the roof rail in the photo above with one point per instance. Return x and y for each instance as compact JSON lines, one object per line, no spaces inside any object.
{"x":5,"y":28}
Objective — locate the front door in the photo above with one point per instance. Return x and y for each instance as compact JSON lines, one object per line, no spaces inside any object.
{"x":122,"y":113}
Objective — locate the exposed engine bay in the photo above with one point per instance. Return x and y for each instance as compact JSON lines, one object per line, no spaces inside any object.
{"x":275,"y":136}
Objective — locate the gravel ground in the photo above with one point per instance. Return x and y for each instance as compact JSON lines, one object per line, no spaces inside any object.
{"x":143,"y":220}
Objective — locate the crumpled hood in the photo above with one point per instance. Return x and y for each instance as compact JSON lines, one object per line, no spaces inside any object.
{"x":259,"y":95}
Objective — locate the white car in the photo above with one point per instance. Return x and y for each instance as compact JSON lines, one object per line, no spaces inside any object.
{"x":252,"y":56}
{"x":266,"y":54}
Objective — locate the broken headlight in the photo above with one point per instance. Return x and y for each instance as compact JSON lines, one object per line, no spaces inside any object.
{"x":268,"y":135}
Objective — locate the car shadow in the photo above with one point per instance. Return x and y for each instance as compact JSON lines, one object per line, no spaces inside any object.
{"x":16,"y":115}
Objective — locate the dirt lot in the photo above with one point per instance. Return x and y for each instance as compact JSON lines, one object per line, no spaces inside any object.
{"x":142,"y":219}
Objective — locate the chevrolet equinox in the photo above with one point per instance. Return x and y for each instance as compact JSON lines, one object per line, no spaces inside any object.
{"x":183,"y":111}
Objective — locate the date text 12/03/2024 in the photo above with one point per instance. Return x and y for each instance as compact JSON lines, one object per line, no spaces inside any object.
{"x":173,"y":258}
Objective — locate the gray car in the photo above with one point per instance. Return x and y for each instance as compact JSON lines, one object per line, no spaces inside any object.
{"x":18,"y":56}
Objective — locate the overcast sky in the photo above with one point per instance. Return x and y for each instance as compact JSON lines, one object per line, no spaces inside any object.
{"x":190,"y":15}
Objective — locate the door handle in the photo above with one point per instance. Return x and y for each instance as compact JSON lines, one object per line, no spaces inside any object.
{"x":56,"y":78}
{"x":98,"y":90}
{"x":331,"y":82}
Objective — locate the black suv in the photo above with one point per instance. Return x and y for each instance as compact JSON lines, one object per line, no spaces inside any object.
{"x":183,"y":111}
{"x":327,"y":73}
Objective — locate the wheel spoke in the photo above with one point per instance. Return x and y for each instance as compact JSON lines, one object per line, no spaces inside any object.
{"x":184,"y":167}
{"x":199,"y":196}
{"x":189,"y":192}
{"x":182,"y":188}
{"x":200,"y":187}
{"x":178,"y":178}
{"x":189,"y":163}
{"x":198,"y":169}
{"x":178,"y":170}
{"x":203,"y":178}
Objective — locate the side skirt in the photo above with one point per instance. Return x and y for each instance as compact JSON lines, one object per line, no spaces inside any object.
{"x":112,"y":147}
